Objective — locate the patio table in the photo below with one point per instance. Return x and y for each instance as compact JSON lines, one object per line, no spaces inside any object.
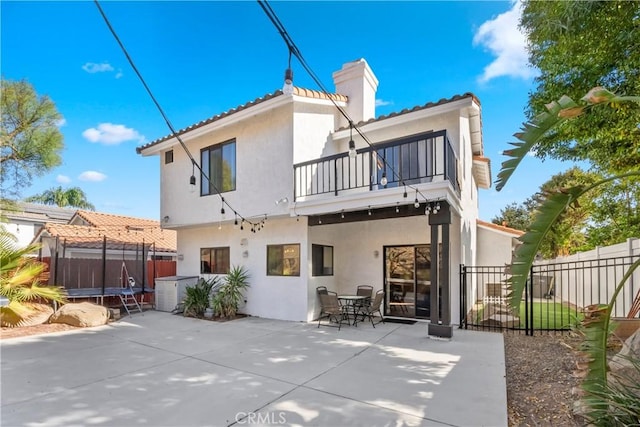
{"x":353,"y":302}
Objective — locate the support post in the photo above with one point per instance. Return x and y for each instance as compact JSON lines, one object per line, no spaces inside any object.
{"x":440,"y":325}
{"x":104,"y":263}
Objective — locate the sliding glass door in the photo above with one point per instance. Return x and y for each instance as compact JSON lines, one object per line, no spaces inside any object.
{"x":407,"y":281}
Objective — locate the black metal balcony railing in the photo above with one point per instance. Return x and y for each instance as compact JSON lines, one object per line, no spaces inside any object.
{"x":412,"y":160}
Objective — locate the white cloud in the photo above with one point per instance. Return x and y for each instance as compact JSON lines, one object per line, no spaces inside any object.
{"x":382,"y":102}
{"x":92,"y":67}
{"x":119,"y":74}
{"x":111,"y":134}
{"x":63,"y":179}
{"x":92,"y":176}
{"x":502,"y":37}
{"x":61,"y":122}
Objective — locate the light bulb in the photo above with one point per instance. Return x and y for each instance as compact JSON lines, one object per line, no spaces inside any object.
{"x":416,"y":203}
{"x":192,"y":183}
{"x":287,"y":89}
{"x":384,"y":181}
{"x":352,"y":149}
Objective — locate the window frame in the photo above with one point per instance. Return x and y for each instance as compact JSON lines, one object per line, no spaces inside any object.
{"x":205,"y":164}
{"x":213,"y":264}
{"x":294,"y":265}
{"x":318,"y":249}
{"x":168,"y":157}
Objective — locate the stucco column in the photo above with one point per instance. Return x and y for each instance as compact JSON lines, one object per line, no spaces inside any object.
{"x":440,"y":222}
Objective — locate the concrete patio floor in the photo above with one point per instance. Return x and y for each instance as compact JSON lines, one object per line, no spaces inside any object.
{"x":157,"y":369}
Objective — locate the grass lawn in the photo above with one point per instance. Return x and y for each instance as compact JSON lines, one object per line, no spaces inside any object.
{"x":547,"y":315}
{"x":552,"y":315}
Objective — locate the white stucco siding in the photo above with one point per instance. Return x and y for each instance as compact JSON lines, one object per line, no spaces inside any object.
{"x":23,"y":231}
{"x":494,"y":247}
{"x":275,"y":297}
{"x":264,"y":159}
{"x":311,"y":131}
{"x":355,"y":246}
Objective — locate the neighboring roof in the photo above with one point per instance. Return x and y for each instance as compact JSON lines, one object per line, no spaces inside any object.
{"x":35,"y":212}
{"x":99,"y":219}
{"x":307,"y":93}
{"x":118,"y":236}
{"x":502,"y":228}
{"x":416,"y":108}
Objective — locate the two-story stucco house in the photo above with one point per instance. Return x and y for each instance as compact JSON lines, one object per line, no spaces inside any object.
{"x":399,"y":212}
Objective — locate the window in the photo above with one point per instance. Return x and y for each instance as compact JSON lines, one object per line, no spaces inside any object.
{"x":218,"y":162}
{"x":168,"y":157}
{"x":214,"y":260}
{"x":321,"y":260}
{"x":283,"y":260}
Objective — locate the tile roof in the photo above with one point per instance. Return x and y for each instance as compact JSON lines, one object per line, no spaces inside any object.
{"x":83,"y":236}
{"x":37,"y":212}
{"x":416,"y":108}
{"x":500,"y":227}
{"x":307,"y":93}
{"x":99,"y":219}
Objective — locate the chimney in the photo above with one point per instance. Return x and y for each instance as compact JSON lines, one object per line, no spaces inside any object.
{"x":359,"y":84}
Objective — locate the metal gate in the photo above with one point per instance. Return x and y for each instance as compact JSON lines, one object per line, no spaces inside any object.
{"x":556,"y":295}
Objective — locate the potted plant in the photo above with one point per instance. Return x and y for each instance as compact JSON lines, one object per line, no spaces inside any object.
{"x":227,"y":300}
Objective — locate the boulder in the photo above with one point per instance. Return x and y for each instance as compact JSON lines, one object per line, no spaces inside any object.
{"x":81,"y":315}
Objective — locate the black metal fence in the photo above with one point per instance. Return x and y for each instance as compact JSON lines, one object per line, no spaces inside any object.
{"x":417,"y":159}
{"x":557,"y":296}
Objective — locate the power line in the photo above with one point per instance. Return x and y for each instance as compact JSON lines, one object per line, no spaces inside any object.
{"x":293,"y":48}
{"x":170,"y":126}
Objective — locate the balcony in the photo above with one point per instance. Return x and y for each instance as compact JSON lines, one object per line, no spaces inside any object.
{"x":417,"y":159}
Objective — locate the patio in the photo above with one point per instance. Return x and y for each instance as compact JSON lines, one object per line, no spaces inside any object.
{"x":157,"y":369}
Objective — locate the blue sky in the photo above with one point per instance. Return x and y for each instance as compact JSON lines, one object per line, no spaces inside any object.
{"x":202,"y":58}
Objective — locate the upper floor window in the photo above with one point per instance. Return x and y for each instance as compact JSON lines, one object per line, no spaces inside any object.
{"x":168,"y":157}
{"x":218,"y":163}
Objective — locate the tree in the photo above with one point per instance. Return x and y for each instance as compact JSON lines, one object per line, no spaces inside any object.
{"x":19,"y":274}
{"x":578,"y":45}
{"x":30,"y":142}
{"x":598,"y":398}
{"x":71,"y":197}
{"x":567,"y":234}
{"x":515,"y":216}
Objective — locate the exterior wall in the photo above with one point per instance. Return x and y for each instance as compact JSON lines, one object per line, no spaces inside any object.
{"x":275,"y":297}
{"x":358,"y":252}
{"x":311,"y":132}
{"x":264,"y":161}
{"x":494,"y":247}
{"x":23,"y":230}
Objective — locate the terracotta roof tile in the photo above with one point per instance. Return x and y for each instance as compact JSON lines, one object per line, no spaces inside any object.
{"x":500,"y":227}
{"x":307,"y":93}
{"x":84,"y":236}
{"x":98,"y":219}
{"x":416,"y":108}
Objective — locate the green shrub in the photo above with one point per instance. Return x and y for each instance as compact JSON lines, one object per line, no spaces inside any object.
{"x":226,"y":301}
{"x":197,"y":297}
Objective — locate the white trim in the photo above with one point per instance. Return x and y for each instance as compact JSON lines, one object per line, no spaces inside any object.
{"x":405,"y":118}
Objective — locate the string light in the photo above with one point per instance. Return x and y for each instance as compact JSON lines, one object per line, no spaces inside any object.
{"x":174,"y":133}
{"x":383,"y":180}
{"x":416,"y":203}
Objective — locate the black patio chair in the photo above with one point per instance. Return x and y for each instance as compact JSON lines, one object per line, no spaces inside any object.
{"x":364,"y":291}
{"x":321,"y":290}
{"x":330,"y":309}
{"x":371,"y":309}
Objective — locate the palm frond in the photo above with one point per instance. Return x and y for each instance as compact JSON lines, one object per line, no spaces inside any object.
{"x":597,"y":331}
{"x":548,"y":211}
{"x":529,"y":134}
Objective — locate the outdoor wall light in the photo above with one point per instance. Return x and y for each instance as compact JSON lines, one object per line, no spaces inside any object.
{"x":376,"y":254}
{"x":166,"y":219}
{"x":281,"y":201}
